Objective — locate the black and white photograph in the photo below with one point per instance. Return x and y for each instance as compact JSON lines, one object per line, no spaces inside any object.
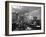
{"x":26,"y":18}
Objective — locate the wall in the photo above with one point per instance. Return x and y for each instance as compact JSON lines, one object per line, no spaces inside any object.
{"x":2,"y":19}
